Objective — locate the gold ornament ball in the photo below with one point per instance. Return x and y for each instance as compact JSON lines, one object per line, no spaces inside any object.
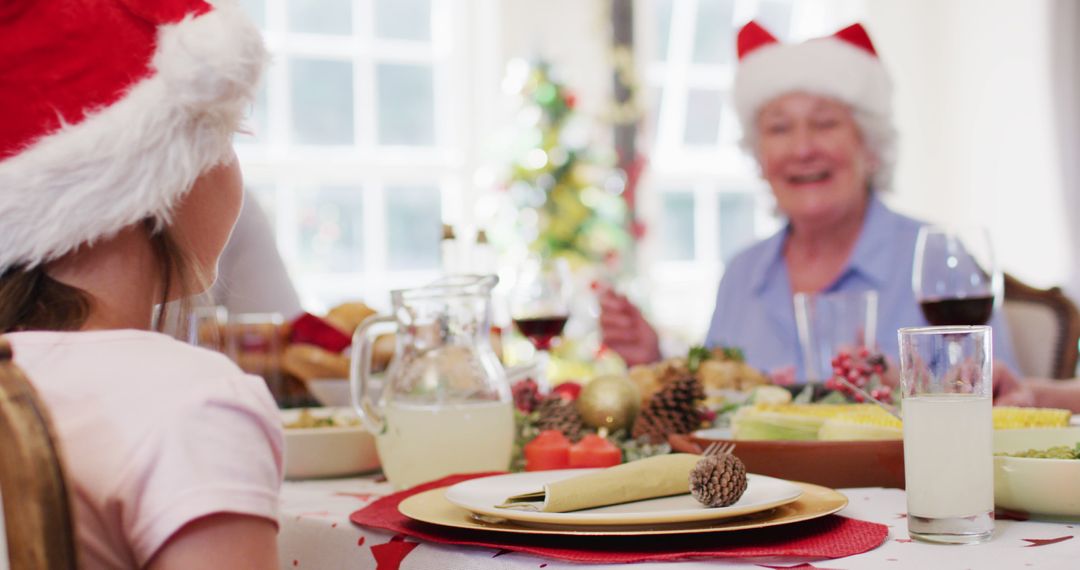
{"x":609,"y":402}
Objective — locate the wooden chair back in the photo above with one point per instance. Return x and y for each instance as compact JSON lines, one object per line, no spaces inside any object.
{"x":1045,"y":327}
{"x":37,"y":512}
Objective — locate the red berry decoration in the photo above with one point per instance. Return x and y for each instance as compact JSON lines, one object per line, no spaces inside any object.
{"x":526,"y":395}
{"x":862,"y":369}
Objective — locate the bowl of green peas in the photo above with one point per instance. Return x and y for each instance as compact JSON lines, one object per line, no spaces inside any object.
{"x":1037,"y":471}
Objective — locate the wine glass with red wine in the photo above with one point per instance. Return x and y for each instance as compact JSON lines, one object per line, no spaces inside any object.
{"x":540,"y":303}
{"x":956,"y":278}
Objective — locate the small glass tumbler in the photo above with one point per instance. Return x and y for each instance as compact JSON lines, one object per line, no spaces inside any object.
{"x":946,"y":397}
{"x":254,"y":341}
{"x":206,"y":327}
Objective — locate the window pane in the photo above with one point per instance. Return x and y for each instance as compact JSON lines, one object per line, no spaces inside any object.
{"x":677,"y":226}
{"x":322,"y":101}
{"x":414,"y":227}
{"x":714,"y":38}
{"x":652,"y":121}
{"x":403,"y":19}
{"x":775,"y":17}
{"x":320,"y":16}
{"x":330,"y":229}
{"x":662,"y":18}
{"x":736,"y":224}
{"x":406,"y":105}
{"x":256,"y":10}
{"x":702,"y":117}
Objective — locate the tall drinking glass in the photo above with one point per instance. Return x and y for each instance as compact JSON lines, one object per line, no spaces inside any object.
{"x":828,"y":323}
{"x":948,"y":432}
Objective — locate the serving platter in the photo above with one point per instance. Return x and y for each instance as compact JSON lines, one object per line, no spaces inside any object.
{"x":836,"y":464}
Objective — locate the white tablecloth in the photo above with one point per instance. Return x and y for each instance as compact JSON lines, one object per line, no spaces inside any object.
{"x":316,"y":533}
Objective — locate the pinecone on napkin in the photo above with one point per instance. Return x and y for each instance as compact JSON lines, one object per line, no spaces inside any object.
{"x":718,"y":480}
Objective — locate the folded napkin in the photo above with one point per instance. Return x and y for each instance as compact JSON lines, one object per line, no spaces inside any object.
{"x":649,"y":478}
{"x":827,"y":537}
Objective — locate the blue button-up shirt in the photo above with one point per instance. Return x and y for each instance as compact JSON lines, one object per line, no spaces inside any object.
{"x":754,"y":309}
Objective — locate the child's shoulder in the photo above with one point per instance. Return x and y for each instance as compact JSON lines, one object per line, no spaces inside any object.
{"x":132,"y":362}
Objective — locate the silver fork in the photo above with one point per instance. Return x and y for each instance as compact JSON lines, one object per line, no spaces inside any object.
{"x":719,"y":448}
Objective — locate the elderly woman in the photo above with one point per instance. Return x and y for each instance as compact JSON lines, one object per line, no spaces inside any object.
{"x":818,"y":119}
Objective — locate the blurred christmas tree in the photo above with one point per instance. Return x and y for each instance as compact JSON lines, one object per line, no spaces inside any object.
{"x":571,"y":198}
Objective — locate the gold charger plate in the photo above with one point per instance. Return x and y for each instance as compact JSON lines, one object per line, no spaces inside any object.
{"x":816,"y":501}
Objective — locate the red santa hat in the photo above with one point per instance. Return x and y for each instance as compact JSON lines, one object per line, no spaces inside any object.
{"x":844,"y":66}
{"x":109,"y":111}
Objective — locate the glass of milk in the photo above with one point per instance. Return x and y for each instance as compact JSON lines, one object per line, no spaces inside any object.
{"x":946,"y":398}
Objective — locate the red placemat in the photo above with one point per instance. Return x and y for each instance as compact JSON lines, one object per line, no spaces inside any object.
{"x":827,"y":537}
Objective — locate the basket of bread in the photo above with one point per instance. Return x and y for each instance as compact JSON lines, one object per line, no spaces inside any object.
{"x":317,"y":351}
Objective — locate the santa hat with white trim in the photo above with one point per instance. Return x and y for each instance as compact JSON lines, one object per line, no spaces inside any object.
{"x":844,"y":66}
{"x":109,"y":111}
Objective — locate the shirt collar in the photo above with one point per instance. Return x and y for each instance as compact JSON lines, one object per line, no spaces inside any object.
{"x":877,"y":235}
{"x":867,"y":259}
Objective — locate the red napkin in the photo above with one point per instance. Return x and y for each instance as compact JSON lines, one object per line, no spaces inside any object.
{"x":309,"y":329}
{"x":827,"y":537}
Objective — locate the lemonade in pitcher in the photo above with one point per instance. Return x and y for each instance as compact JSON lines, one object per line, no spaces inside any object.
{"x":460,"y":438}
{"x":446,"y":406}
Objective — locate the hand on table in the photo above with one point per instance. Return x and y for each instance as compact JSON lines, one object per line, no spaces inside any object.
{"x":625,"y":330}
{"x":1010,"y":390}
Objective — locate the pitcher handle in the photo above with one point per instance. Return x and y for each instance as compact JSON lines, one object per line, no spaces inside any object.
{"x":360,"y":373}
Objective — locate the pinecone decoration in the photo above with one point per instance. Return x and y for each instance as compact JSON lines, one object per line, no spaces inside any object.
{"x":718,"y":480}
{"x":556,"y":412}
{"x":674,"y":409}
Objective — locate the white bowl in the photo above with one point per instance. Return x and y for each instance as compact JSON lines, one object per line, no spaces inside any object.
{"x":327,"y":451}
{"x":1049,"y":487}
{"x":334,"y":392}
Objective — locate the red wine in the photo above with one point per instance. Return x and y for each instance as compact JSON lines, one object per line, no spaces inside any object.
{"x":967,"y":311}
{"x":541,"y":330}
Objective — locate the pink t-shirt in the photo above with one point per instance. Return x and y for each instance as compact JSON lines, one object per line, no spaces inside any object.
{"x":154,"y":434}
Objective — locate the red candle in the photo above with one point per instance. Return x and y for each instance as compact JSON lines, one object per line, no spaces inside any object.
{"x":549,"y":450}
{"x":594,"y":451}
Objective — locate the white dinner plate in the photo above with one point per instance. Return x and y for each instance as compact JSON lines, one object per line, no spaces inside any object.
{"x":481,"y":495}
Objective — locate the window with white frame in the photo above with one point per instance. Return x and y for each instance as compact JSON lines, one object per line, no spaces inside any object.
{"x":356,"y":137}
{"x":702,"y":196}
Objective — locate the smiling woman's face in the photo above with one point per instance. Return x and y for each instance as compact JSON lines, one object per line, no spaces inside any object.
{"x":814,"y":158}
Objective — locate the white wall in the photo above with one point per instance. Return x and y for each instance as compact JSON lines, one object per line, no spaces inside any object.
{"x":976,"y":110}
{"x":574,"y":35}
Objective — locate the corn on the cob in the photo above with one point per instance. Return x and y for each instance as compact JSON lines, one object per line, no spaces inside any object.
{"x":1016,"y":418}
{"x":860,"y":421}
{"x":786,"y":421}
{"x":866,"y":424}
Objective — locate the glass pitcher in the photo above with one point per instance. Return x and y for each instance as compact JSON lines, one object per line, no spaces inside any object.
{"x":445,"y":405}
